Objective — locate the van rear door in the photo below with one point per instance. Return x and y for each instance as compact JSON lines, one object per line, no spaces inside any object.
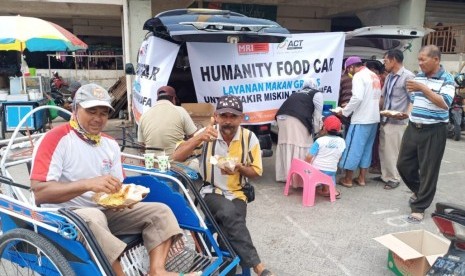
{"x":202,"y":25}
{"x":372,"y":42}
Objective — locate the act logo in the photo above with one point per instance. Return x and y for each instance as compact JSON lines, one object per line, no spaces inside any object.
{"x":291,"y":44}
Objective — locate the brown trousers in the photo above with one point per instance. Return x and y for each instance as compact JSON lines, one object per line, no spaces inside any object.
{"x":155,"y":221}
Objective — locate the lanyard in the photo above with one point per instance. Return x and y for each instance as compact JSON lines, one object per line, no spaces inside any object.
{"x":389,"y":87}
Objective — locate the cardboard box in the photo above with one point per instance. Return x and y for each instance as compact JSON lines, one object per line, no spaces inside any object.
{"x":413,"y":252}
{"x":200,"y":112}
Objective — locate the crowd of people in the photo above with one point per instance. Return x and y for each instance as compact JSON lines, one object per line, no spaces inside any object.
{"x":412,"y":137}
{"x":391,"y":118}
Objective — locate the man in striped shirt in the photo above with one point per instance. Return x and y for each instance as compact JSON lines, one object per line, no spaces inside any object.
{"x":424,"y":140}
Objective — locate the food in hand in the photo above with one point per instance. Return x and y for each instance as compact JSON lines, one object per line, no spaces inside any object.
{"x":224,"y":162}
{"x":127,"y":195}
{"x":336,"y":110}
{"x":390,"y":113}
{"x":117,"y":198}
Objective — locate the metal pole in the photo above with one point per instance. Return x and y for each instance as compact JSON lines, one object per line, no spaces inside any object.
{"x":49,"y":70}
{"x":116,"y":68}
{"x":127,"y":58}
{"x":75,"y":66}
{"x":88,"y":68}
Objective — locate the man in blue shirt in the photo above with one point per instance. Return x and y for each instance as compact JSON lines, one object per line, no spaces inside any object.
{"x":424,"y":140}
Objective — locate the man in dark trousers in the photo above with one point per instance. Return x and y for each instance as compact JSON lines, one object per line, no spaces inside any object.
{"x":424,"y":140}
{"x":223,"y":191}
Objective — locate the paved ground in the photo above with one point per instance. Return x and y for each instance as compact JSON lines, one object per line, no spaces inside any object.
{"x":336,"y":238}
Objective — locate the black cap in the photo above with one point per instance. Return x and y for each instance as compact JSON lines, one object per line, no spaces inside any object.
{"x":229,"y":104}
{"x":166,"y":91}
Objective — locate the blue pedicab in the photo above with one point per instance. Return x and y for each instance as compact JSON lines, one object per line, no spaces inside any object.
{"x":55,"y":241}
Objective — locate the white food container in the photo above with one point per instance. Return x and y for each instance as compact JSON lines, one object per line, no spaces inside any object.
{"x":35,"y":95}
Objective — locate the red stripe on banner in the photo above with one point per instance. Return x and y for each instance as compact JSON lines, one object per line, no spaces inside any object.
{"x":260,"y":116}
{"x":253,"y":48}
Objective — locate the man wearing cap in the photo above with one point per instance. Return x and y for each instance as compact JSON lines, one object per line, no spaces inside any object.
{"x":222,"y":191}
{"x":74,"y":161}
{"x":298,"y":118}
{"x":165,"y":124}
{"x":364,"y":108}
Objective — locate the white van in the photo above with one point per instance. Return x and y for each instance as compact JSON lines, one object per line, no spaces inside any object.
{"x":373,"y":42}
{"x":176,"y":27}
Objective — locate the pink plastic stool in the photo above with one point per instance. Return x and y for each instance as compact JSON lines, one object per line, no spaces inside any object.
{"x":311,"y":177}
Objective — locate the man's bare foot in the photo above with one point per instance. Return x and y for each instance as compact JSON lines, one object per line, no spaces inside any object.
{"x":343,"y":182}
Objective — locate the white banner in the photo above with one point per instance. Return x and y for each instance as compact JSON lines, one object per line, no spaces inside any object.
{"x":155,"y":62}
{"x":265,"y":74}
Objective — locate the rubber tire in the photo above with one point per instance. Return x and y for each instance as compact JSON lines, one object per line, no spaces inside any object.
{"x":457,"y":132}
{"x":38,"y":241}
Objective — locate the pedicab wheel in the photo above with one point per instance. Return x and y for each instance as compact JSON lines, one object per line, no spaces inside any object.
{"x":24,"y":252}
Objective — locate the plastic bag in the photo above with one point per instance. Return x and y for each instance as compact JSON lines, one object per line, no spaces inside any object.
{"x":53,"y":112}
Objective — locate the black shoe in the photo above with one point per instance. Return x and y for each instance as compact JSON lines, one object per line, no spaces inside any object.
{"x":391,"y":185}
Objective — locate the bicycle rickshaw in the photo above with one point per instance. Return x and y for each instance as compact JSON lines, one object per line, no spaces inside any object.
{"x":49,"y":241}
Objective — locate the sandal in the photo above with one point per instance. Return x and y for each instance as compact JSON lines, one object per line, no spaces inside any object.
{"x":415,"y":218}
{"x":391,"y":185}
{"x":355,"y":180}
{"x":347,"y":185}
{"x":338,"y":194}
{"x":266,"y":272}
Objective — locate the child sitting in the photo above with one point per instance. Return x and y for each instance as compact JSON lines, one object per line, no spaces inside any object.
{"x":326,"y":152}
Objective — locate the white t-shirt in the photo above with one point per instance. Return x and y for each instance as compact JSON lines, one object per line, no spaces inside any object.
{"x":327,"y":151}
{"x":364,"y":103}
{"x":60,"y":155}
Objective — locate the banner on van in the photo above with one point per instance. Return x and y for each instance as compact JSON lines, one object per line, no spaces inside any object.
{"x":263,"y":75}
{"x":155,"y":62}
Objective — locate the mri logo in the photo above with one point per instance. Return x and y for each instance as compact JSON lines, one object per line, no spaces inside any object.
{"x":252,"y":48}
{"x":291,"y":44}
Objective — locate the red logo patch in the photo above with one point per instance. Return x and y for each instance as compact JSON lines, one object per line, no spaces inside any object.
{"x":253,"y":48}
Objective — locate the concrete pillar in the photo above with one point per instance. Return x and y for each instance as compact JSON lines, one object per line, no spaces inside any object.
{"x":412,"y":12}
{"x":161,"y":6}
{"x":135,"y":13}
{"x":138,"y":12}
